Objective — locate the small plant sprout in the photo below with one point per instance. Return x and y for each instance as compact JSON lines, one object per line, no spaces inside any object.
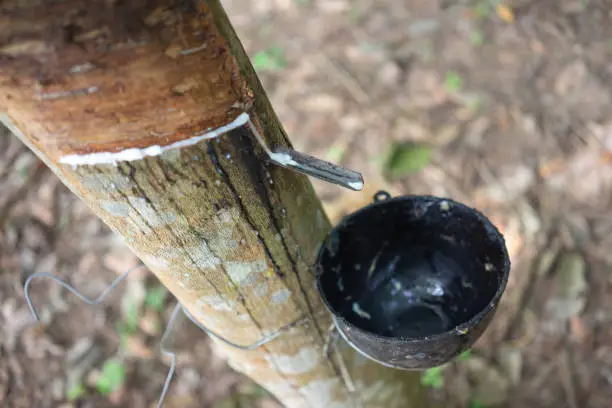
{"x":433,"y":377}
{"x":156,"y":297}
{"x":453,"y":82}
{"x":335,"y":153}
{"x":75,"y":391}
{"x":406,"y":158}
{"x":477,"y":37}
{"x":483,"y":9}
{"x":124,"y":334}
{"x":272,"y":59}
{"x":132,"y":317}
{"x":465,"y":355}
{"x":112,"y":377}
{"x":477,"y":404}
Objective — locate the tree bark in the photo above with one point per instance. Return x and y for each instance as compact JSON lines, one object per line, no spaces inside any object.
{"x":136,"y":106}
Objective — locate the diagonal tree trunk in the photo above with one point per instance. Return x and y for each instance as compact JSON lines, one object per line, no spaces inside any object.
{"x":138,"y":107}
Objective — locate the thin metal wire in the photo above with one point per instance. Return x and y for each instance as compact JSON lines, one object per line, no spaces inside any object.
{"x":99,"y":300}
{"x":332,"y":344}
{"x":168,"y":353}
{"x":253,"y":346}
{"x":71,"y":289}
{"x":332,"y":336}
{"x":167,"y":332}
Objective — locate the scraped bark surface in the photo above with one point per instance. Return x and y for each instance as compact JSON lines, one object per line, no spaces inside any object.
{"x":231,"y":235}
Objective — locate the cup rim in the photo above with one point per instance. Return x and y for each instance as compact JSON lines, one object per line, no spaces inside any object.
{"x":461,"y":329}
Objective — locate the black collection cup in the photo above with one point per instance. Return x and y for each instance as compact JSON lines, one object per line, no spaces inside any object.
{"x":412,"y":281}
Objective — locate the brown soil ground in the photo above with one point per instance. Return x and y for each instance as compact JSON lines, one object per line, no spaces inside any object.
{"x":514,"y":100}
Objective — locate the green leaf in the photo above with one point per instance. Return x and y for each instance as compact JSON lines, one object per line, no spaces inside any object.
{"x":483,"y":9}
{"x":261,"y":392}
{"x":453,"y":82}
{"x":433,"y":378}
{"x":124,"y":333}
{"x":335,"y":154}
{"x":477,"y":37}
{"x":112,"y":377}
{"x":272,"y":59}
{"x":76,"y":391}
{"x":407,"y":158}
{"x":465,"y":355}
{"x":477,"y":404}
{"x":132,"y":317}
{"x":252,"y":389}
{"x":155,"y":298}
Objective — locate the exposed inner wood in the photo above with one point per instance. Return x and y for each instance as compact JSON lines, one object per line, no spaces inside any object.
{"x":143,"y":73}
{"x":231,"y":235}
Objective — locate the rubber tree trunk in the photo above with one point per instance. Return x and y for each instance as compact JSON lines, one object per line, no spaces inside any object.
{"x":136,"y":106}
